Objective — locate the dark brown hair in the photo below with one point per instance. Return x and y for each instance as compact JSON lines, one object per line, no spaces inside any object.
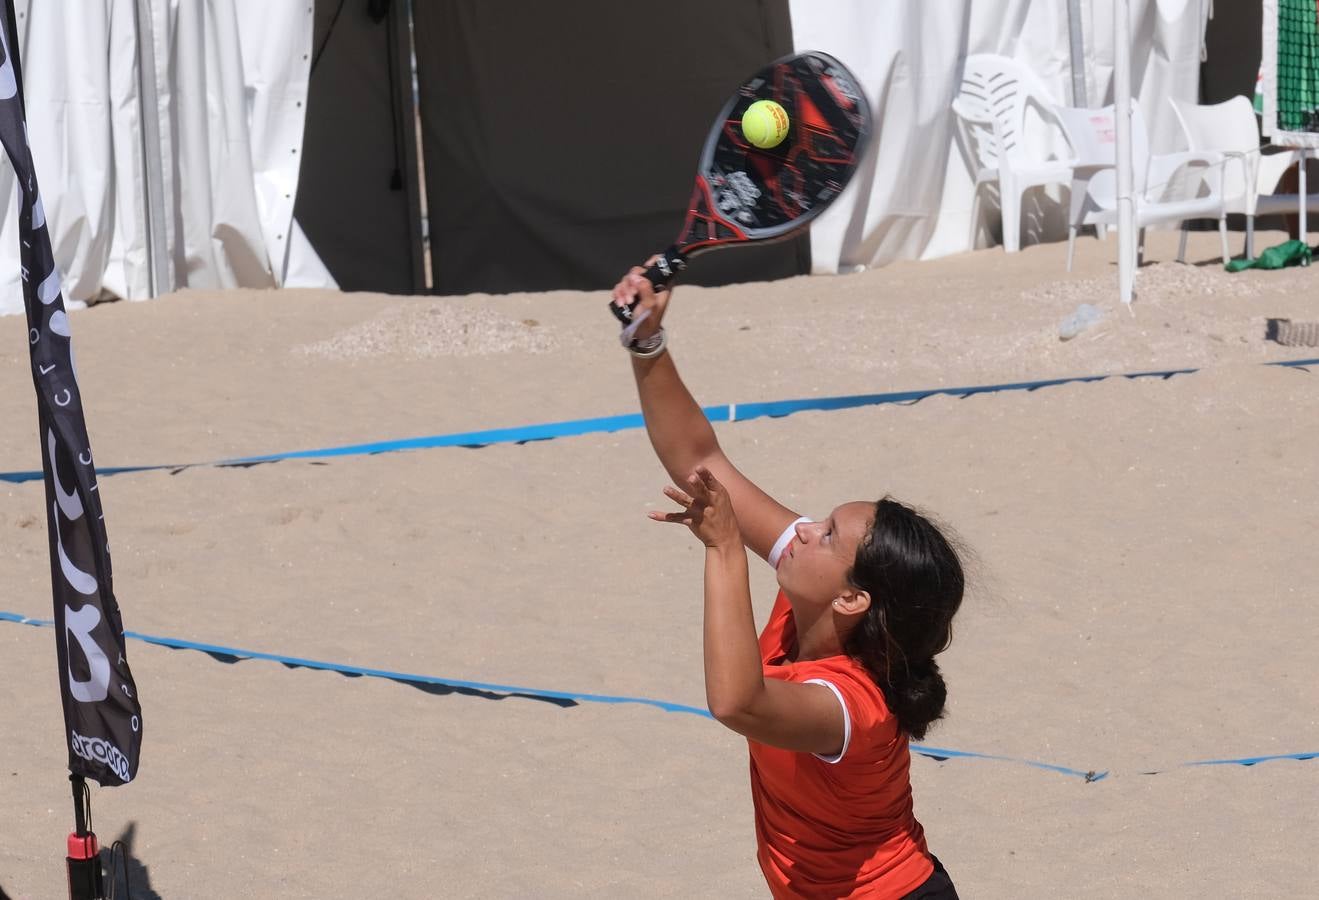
{"x":915,"y":581}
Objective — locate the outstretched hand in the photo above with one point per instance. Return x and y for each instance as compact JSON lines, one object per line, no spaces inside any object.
{"x":706,"y":510}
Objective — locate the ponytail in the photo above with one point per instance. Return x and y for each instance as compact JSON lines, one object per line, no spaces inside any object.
{"x":917,"y":697}
{"x":915,"y":582}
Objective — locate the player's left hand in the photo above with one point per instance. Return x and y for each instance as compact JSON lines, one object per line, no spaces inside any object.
{"x":706,"y":510}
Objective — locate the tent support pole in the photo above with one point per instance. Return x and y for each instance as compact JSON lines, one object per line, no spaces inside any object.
{"x":1126,"y":218}
{"x":1076,"y":30}
{"x":153,"y":182}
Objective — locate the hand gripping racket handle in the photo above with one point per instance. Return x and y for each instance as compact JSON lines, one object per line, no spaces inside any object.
{"x":667,"y":266}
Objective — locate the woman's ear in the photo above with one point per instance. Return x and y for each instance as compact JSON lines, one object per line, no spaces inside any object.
{"x":852,"y":602}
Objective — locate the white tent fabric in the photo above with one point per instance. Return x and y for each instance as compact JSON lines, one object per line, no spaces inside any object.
{"x":72,"y":138}
{"x":230,"y":89}
{"x":912,"y":198}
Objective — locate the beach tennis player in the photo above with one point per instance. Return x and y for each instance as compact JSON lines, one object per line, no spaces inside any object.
{"x":844,"y":672}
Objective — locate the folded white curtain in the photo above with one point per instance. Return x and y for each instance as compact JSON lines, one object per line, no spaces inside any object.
{"x":230,"y":86}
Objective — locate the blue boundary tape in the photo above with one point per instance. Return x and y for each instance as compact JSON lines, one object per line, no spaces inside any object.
{"x":298,"y":662}
{"x":550,"y":430}
{"x":1254,"y":760}
{"x":731,"y":412}
{"x":942,"y":753}
{"x":937,"y":753}
{"x":235,"y":654}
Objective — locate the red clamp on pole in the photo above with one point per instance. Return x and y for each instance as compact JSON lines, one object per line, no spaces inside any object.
{"x":83,"y":861}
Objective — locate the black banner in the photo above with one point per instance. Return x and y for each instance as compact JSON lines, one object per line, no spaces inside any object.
{"x":102,"y":717}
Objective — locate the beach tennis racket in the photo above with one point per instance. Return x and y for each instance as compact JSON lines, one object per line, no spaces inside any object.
{"x":746,"y":193}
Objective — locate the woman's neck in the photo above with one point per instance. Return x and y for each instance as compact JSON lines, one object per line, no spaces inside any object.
{"x":818,"y":636}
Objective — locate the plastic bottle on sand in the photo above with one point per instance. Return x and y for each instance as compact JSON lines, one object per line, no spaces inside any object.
{"x":1084,"y":316}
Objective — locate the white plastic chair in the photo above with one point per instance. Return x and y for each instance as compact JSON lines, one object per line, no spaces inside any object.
{"x":1250,"y":179}
{"x":1172,"y":187}
{"x":991,"y":109}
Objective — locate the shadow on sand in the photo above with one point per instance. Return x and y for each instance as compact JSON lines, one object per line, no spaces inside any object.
{"x":126,"y":878}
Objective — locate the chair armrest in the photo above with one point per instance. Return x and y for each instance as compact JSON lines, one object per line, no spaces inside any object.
{"x":1165,"y":168}
{"x":1087,"y":170}
{"x":1163,"y":165}
{"x":1271,"y":169}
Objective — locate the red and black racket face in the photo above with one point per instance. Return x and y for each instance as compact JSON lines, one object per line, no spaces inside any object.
{"x":745,"y":193}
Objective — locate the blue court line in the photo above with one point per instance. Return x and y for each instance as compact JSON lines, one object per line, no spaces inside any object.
{"x":1253,"y":760}
{"x":942,"y":753}
{"x":179,"y":644}
{"x":936,"y":753}
{"x":730,"y":412}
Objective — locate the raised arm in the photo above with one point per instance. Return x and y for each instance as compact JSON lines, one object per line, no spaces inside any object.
{"x":802,"y":717}
{"x":681,"y":435}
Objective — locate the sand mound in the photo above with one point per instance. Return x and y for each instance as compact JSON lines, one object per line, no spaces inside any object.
{"x":429,"y":329}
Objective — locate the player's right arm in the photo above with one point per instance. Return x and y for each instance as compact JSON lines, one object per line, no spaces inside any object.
{"x":681,"y":435}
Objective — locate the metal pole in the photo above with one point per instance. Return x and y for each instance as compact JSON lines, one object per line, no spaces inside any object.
{"x":153,"y":181}
{"x":82,"y":865}
{"x":1126,"y":213}
{"x":1304,"y":156}
{"x":1076,"y":29}
{"x":79,"y":787}
{"x":406,"y":136}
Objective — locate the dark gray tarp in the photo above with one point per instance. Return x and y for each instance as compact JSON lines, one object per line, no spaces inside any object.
{"x":561,"y":139}
{"x":1233,"y":42}
{"x":360,"y":215}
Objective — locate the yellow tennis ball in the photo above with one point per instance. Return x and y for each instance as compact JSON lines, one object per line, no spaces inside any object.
{"x":765,"y":124}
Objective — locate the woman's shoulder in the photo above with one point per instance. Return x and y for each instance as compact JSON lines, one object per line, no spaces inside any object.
{"x":862,"y":698}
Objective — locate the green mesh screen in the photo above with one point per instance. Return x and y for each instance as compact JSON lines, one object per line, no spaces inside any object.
{"x":1298,"y":65}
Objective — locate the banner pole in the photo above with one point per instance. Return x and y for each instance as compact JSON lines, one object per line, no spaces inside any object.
{"x":83,"y":861}
{"x":80,"y":810}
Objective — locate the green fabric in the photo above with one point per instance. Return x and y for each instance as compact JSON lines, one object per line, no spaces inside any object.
{"x":1298,"y":66}
{"x":1289,"y":253}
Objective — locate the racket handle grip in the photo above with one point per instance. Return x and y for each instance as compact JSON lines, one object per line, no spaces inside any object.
{"x":667,"y":266}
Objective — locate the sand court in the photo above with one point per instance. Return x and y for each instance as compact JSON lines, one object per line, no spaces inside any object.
{"x":1143,"y":597}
